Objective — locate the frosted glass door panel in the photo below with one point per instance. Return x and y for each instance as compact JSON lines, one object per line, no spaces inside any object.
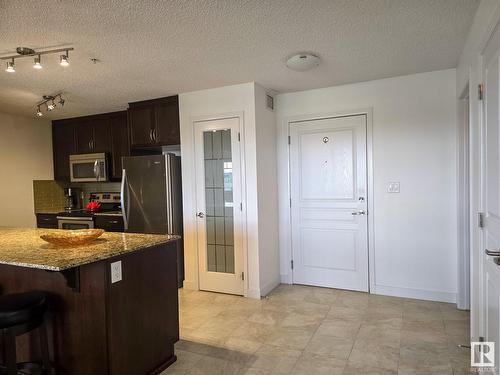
{"x":219,"y":200}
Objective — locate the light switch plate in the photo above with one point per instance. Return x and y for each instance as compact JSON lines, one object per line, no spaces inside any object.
{"x":116,"y":272}
{"x":394,"y":187}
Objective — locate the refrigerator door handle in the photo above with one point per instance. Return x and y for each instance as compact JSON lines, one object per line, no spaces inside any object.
{"x":123,"y":200}
{"x":170,"y":215}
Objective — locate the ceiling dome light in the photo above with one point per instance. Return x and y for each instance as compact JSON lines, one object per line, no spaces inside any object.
{"x":38,"y":64}
{"x":302,"y":62}
{"x":10,"y":66}
{"x":64,"y":59}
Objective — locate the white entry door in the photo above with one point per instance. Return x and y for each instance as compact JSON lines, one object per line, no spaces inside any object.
{"x":491,"y":195}
{"x":219,"y":204}
{"x":329,"y":202}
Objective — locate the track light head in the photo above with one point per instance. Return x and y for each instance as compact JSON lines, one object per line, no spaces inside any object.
{"x":64,"y":59}
{"x":49,"y":103}
{"x":38,"y":62}
{"x":11,"y":68}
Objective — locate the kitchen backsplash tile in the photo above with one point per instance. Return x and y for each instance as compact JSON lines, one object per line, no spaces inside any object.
{"x":49,"y":195}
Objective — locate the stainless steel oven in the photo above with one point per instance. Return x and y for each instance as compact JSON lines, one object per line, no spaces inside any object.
{"x":75,"y":222}
{"x":88,"y":167}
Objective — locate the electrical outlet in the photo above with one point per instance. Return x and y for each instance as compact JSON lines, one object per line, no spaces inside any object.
{"x":393,"y":187}
{"x":116,"y":272}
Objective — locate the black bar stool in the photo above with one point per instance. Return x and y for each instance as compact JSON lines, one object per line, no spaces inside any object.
{"x":21,"y":313}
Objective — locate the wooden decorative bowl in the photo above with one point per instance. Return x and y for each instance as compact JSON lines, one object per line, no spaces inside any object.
{"x":72,"y":237}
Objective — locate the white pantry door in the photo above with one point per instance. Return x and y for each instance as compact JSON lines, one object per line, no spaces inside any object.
{"x":329,"y":202}
{"x":491,"y":194}
{"x":219,"y":202}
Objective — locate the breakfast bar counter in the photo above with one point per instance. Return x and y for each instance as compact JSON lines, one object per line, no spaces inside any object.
{"x":24,"y":247}
{"x":113,"y":302}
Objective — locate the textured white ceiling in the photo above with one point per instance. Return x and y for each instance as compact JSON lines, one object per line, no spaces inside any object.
{"x":151,"y":48}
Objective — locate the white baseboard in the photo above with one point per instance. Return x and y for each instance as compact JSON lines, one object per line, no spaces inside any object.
{"x":253,"y":293}
{"x":429,"y":295}
{"x":286,"y":279}
{"x":190,"y":285}
{"x":268,"y":288}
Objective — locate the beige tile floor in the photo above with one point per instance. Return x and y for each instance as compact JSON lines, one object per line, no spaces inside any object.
{"x":303,"y":330}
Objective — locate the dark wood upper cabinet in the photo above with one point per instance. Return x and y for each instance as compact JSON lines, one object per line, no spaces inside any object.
{"x":92,"y":134}
{"x":84,"y":135}
{"x":63,"y":144}
{"x":154,"y":123}
{"x":141,"y":121}
{"x":167,"y":123}
{"x":105,"y":133}
{"x":101,"y":141}
{"x":119,"y":143}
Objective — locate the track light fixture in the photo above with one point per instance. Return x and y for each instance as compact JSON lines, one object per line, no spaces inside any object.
{"x":28,"y":52}
{"x":10,"y":66}
{"x":38,"y":62}
{"x":64,"y":59}
{"x":49,"y":101}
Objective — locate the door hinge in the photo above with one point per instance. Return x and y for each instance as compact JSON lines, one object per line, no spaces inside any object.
{"x":481,"y":339}
{"x":291,"y":263}
{"x":480,"y":220}
{"x":241,"y":206}
{"x":243,"y":276}
{"x":290,"y":202}
{"x":480,"y":91}
{"x":239,"y":137}
{"x":289,"y":140}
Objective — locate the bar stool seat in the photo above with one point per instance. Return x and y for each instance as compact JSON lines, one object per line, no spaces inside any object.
{"x":21,"y":313}
{"x":22,"y":308}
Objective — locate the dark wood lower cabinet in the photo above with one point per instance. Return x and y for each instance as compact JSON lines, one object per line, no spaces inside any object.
{"x":110,"y":223}
{"x":125,"y":328}
{"x":48,"y":221}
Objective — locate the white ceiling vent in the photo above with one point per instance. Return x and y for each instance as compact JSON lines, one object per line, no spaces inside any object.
{"x":302,"y":62}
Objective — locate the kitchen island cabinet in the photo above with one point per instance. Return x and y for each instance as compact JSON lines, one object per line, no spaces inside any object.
{"x":100,"y":322}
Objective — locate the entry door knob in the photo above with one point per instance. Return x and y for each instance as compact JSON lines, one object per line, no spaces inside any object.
{"x":358,"y":213}
{"x":201,"y":215}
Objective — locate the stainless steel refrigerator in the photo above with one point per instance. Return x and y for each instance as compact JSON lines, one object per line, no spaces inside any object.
{"x":151,"y":193}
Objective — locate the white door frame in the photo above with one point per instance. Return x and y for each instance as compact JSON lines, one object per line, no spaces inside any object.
{"x":287,"y":226}
{"x":465,"y":219}
{"x":243,"y":225}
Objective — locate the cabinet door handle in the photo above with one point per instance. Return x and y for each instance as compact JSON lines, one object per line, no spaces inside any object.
{"x":154,"y":135}
{"x":113,"y":221}
{"x":90,"y":145}
{"x":151,"y":135}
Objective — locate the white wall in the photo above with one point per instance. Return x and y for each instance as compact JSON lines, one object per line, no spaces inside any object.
{"x":267,"y":191}
{"x":414,"y":142}
{"x":26,"y":155}
{"x":219,"y":103}
{"x":469,"y":76}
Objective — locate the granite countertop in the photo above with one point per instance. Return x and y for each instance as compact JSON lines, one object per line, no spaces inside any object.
{"x":23,"y":247}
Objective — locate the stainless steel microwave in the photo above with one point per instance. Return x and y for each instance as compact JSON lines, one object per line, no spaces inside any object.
{"x":88,"y":167}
